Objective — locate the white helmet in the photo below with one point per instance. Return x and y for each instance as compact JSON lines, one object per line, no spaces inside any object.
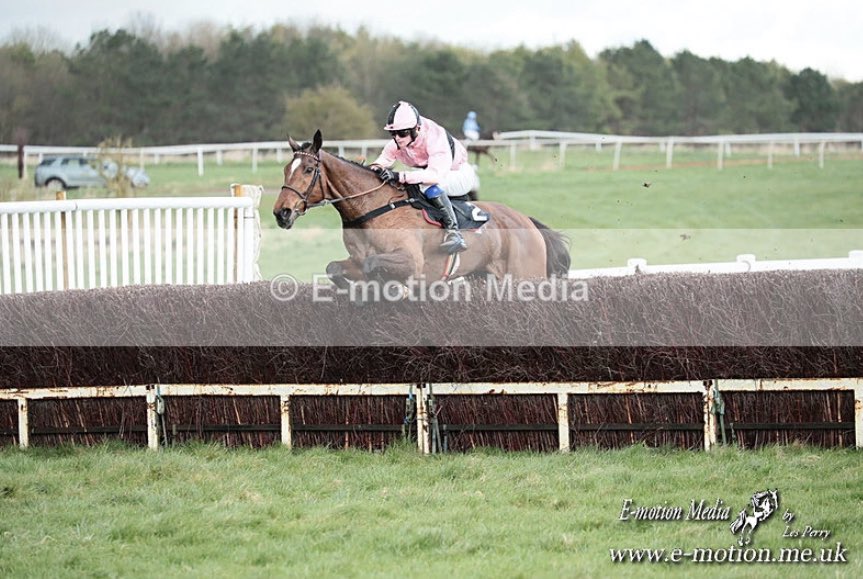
{"x":402,"y":116}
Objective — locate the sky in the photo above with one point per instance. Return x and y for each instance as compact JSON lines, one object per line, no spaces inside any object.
{"x":826,"y":35}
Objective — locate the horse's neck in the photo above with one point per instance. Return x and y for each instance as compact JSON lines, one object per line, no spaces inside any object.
{"x":344,"y":179}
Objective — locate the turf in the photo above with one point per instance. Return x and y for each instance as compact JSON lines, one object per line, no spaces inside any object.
{"x":690,"y":213}
{"x":203,"y":510}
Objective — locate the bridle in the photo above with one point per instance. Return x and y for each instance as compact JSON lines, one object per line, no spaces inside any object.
{"x":305,"y":196}
{"x":317,"y":175}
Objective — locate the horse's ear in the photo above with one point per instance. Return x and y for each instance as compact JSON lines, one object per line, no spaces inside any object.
{"x":294,"y":145}
{"x":317,"y":141}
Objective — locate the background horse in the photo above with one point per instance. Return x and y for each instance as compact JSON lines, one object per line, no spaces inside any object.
{"x":387,"y":239}
{"x":479,"y":150}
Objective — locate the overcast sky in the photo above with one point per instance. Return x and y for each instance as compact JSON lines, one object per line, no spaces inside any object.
{"x":826,"y":35}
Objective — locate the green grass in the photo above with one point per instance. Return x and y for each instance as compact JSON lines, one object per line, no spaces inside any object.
{"x":690,"y":213}
{"x":200,"y":510}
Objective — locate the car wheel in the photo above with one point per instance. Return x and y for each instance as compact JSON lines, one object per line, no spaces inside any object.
{"x":55,"y":185}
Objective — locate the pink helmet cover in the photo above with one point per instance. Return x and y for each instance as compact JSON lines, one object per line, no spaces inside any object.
{"x":403,"y":115}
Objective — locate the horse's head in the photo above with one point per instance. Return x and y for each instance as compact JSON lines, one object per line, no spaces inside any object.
{"x":302,"y":187}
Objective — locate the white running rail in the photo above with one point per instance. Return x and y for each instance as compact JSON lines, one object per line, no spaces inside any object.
{"x":745,"y":263}
{"x":92,"y":243}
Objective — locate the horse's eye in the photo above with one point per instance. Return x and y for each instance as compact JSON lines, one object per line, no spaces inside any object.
{"x":309,"y":169}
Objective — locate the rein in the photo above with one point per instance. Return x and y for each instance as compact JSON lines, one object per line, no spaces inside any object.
{"x":324,"y":201}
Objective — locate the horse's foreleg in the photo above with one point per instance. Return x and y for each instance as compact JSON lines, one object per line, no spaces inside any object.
{"x":343,"y":272}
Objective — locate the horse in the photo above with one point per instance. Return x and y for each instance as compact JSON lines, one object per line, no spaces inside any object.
{"x":479,"y":150}
{"x":387,"y":239}
{"x":763,"y":505}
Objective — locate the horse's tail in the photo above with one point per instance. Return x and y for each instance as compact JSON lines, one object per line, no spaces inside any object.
{"x":557,"y":257}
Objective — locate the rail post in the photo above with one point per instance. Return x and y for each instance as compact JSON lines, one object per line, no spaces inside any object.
{"x":858,"y":415}
{"x":152,"y":419}
{"x":422,"y":420}
{"x":617,"y":148}
{"x":287,"y":428}
{"x":563,"y":421}
{"x":23,"y":423}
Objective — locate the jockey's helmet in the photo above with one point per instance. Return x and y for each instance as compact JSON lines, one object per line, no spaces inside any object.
{"x":402,"y":116}
{"x":471,"y":115}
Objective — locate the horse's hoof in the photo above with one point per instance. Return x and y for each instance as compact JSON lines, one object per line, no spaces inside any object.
{"x":371,"y":264}
{"x":336,"y":274}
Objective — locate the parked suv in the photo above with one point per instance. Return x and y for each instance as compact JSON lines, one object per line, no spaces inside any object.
{"x":71,"y":171}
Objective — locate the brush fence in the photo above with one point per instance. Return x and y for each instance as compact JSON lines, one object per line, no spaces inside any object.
{"x":709,"y":394}
{"x":93,"y":243}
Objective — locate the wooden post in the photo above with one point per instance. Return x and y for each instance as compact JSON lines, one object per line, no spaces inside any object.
{"x":563,"y":421}
{"x":821,"y":146}
{"x":669,"y":153}
{"x":152,"y":419}
{"x":709,"y":417}
{"x":236,"y":191}
{"x":200,"y":162}
{"x":561,"y":160}
{"x":23,"y":423}
{"x":721,"y":150}
{"x":858,"y":416}
{"x":287,"y":427}
{"x":422,"y":421}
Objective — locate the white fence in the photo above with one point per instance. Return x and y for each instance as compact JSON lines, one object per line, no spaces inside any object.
{"x":90,"y":243}
{"x":511,"y":140}
{"x":745,"y":263}
{"x":723,"y":143}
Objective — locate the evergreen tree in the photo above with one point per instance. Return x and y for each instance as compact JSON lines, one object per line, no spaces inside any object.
{"x":816,"y":107}
{"x":701,"y":96}
{"x":650,"y":92}
{"x":850,"y":98}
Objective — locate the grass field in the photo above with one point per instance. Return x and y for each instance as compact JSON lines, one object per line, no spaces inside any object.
{"x":691,"y":213}
{"x":204,"y":511}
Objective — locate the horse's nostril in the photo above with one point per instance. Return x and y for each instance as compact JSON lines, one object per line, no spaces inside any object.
{"x":283,"y":216}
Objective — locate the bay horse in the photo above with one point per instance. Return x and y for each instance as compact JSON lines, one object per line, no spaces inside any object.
{"x":387,"y":239}
{"x":479,"y":150}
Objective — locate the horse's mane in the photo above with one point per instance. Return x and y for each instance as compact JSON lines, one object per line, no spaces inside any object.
{"x":308,"y":145}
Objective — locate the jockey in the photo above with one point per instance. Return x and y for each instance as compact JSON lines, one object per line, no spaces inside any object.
{"x":470,"y":127}
{"x":441,"y":163}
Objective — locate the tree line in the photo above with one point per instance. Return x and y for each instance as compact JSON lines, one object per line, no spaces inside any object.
{"x":246,"y":85}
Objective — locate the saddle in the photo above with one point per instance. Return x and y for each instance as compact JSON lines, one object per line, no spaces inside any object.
{"x":468,"y":215}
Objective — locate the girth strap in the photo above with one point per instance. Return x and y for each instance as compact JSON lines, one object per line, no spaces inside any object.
{"x":375,"y":213}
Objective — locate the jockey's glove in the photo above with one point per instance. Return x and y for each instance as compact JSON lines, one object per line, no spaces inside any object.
{"x":388,"y":175}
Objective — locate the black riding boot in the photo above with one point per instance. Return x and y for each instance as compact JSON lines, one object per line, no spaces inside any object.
{"x":453,"y":241}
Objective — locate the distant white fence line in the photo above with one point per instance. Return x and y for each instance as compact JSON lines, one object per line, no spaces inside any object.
{"x":90,"y":243}
{"x":745,"y":263}
{"x":512,"y":140}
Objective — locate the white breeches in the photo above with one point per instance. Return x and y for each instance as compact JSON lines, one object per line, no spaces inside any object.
{"x":459,"y":182}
